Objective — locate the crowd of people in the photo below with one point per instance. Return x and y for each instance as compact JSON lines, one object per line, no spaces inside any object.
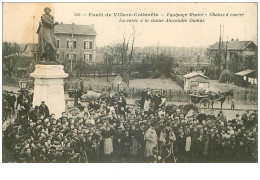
{"x":109,"y":130}
{"x":9,"y":100}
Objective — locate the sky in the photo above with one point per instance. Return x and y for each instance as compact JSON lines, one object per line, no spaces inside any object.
{"x":19,"y":24}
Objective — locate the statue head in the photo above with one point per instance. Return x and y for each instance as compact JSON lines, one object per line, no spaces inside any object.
{"x":47,"y":10}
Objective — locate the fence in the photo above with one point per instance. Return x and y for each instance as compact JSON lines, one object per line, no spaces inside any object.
{"x":243,"y":97}
{"x":135,"y":93}
{"x":246,"y":97}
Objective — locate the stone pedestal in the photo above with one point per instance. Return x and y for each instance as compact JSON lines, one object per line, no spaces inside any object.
{"x":49,"y":87}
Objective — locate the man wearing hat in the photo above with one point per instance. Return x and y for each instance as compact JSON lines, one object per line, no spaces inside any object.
{"x":110,"y":101}
{"x":12,"y":100}
{"x":157,"y":100}
{"x":121,"y":102}
{"x":143,"y":95}
{"x":23,"y":118}
{"x":44,"y":110}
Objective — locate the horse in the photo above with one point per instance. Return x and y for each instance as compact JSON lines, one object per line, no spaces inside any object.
{"x":220,"y":96}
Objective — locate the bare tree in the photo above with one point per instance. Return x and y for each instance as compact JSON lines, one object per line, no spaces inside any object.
{"x":109,"y":62}
{"x":10,"y":55}
{"x":81,"y":67}
{"x":123,"y":53}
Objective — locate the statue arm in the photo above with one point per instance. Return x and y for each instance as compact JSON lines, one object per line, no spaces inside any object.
{"x":47,"y":22}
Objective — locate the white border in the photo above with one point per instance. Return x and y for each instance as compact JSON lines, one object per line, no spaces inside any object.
{"x":127,"y":171}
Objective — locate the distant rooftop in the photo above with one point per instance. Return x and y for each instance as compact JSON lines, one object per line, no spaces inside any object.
{"x":245,"y":72}
{"x":193,"y":74}
{"x":232,"y":45}
{"x":31,"y":47}
{"x":75,"y":29}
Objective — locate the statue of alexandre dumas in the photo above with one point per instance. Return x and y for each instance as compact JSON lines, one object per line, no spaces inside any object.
{"x":47,"y":40}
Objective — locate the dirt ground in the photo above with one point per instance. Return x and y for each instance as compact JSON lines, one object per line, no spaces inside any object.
{"x":155,"y":84}
{"x":216,"y":86}
{"x":161,"y":83}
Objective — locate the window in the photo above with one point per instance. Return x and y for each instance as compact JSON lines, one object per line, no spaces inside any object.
{"x":68,"y":43}
{"x":58,"y":56}
{"x":194,"y":83}
{"x":74,"y":56}
{"x":71,"y":44}
{"x":74,"y":44}
{"x":58,"y":43}
{"x":88,"y":45}
{"x":204,"y":85}
{"x":88,"y":57}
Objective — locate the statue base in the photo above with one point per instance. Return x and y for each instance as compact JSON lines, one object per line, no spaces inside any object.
{"x":49,"y":87}
{"x":49,"y":62}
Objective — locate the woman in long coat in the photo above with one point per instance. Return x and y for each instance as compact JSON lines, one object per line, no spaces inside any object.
{"x":151,"y":141}
{"x":108,"y":145}
{"x":147,"y":102}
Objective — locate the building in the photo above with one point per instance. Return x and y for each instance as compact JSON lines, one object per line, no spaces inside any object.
{"x":246,"y":78}
{"x":233,"y":49}
{"x":196,"y":81}
{"x":75,"y":42}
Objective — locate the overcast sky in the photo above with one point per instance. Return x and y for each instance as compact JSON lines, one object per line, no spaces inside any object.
{"x":18,"y":22}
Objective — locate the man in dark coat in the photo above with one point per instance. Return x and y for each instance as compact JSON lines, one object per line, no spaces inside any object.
{"x":245,"y":117}
{"x":118,"y":144}
{"x":44,"y":110}
{"x":121,"y":102}
{"x":143,"y":95}
{"x":20,"y":99}
{"x":78,"y":90}
{"x":88,"y":147}
{"x":34,"y":114}
{"x":201,"y":116}
{"x":23,"y":118}
{"x":157,"y":101}
{"x":110,"y":101}
{"x":12,"y":100}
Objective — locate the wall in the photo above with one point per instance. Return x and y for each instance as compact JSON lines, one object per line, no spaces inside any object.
{"x":196,"y":79}
{"x":249,"y":53}
{"x":63,"y":50}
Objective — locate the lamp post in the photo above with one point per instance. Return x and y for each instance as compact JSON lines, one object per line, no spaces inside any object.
{"x":23,"y":84}
{"x":118,"y":81}
{"x":70,"y":55}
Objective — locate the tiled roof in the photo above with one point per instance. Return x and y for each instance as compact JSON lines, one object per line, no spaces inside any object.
{"x":232,"y":45}
{"x":31,"y":47}
{"x":75,"y":28}
{"x":22,"y":47}
{"x":245,"y":72}
{"x":193,"y":74}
